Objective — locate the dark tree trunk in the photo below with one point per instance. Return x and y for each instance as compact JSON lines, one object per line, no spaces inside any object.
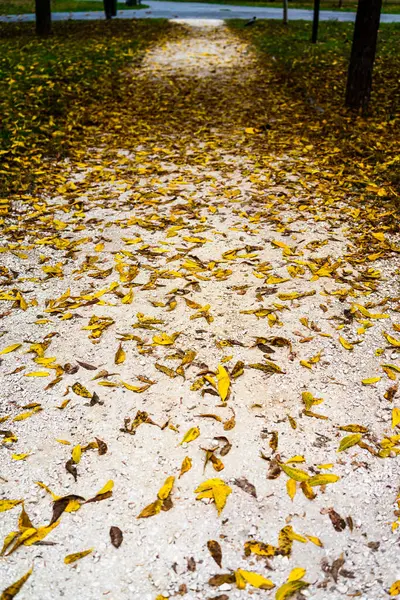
{"x":315,"y":24}
{"x":109,"y":8}
{"x":285,"y":12}
{"x":359,"y":80}
{"x":43,"y":17}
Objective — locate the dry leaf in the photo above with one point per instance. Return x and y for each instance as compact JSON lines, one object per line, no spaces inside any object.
{"x":116,"y":536}
{"x":215,"y":550}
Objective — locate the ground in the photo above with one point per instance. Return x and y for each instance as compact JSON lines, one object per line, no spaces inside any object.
{"x":199,"y":319}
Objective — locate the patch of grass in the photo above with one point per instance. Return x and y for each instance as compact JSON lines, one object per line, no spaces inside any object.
{"x":20,"y":7}
{"x":310,"y":87}
{"x":55,"y":91}
{"x":388,"y":6}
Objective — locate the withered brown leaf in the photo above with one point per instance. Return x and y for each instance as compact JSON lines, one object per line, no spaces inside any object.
{"x":71,"y":468}
{"x":116,"y":536}
{"x":102,"y":446}
{"x":246,"y":486}
{"x":215,"y":550}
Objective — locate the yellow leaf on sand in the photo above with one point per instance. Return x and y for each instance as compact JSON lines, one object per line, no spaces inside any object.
{"x":120,"y":355}
{"x":349,"y":441}
{"x":166,"y":489}
{"x":291,"y":488}
{"x":11,"y":591}
{"x":20,"y":456}
{"x":152,"y":509}
{"x":37,"y":374}
{"x":186,"y":466}
{"x":164,"y":339}
{"x":393,"y":341}
{"x":395,"y":417}
{"x":10,"y":348}
{"x":191,"y":435}
{"x":216,"y":489}
{"x":223,"y":382}
{"x":323,"y":479}
{"x":345,"y":343}
{"x":40,"y":534}
{"x":395,"y":588}
{"x":371,"y":380}
{"x":254,"y":579}
{"x":315,"y":540}
{"x":71,"y":558}
{"x":107,"y":488}
{"x":8,"y":504}
{"x":80,"y":390}
{"x":296,"y":474}
{"x":296,"y":574}
{"x":289,"y":588}
{"x":76,"y":454}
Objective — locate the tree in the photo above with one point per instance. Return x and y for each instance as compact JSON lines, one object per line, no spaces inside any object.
{"x":359,"y":79}
{"x":110,"y":8}
{"x":43,"y":17}
{"x":314,"y":36}
{"x":285,"y":12}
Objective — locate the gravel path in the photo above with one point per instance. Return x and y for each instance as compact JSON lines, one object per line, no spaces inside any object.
{"x":198,"y":290}
{"x":199,"y":10}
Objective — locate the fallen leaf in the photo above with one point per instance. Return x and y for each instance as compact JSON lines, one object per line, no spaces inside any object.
{"x":215,"y":550}
{"x":116,"y":536}
{"x":71,"y":558}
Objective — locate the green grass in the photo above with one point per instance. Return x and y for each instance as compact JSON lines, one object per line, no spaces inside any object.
{"x":388,"y":6}
{"x":55,"y":91}
{"x":312,"y":79}
{"x":20,"y":7}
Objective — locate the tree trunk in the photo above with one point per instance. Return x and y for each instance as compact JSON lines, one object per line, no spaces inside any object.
{"x":359,"y":80}
{"x":108,"y":8}
{"x":43,"y":17}
{"x":285,"y":12}
{"x":314,"y":36}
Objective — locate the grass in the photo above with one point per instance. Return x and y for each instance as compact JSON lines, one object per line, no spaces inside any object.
{"x":20,"y":7}
{"x":312,"y":78}
{"x":55,"y":91}
{"x":388,"y":6}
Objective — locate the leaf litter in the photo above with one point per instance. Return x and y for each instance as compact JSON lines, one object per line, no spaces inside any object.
{"x":229,"y":283}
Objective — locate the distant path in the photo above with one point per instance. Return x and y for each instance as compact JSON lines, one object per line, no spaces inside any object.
{"x":197,"y":10}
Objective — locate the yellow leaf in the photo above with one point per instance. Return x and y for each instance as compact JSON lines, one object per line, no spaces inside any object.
{"x":152,"y":509}
{"x":8,"y":504}
{"x":186,"y":466}
{"x":80,"y":390}
{"x":371,"y":380}
{"x":65,"y":442}
{"x":20,"y":456}
{"x":349,"y":441}
{"x":10,"y":348}
{"x":71,"y":558}
{"x":296,"y":574}
{"x":11,"y":591}
{"x":395,"y":588}
{"x":128,"y":298}
{"x":191,"y":435}
{"x":76,"y":453}
{"x":345,"y":343}
{"x":291,"y":488}
{"x":164,"y":339}
{"x":120,"y":355}
{"x":295,"y":474}
{"x":37,"y":374}
{"x":27,"y":414}
{"x":315,"y":540}
{"x":288,"y":589}
{"x":106,"y":488}
{"x":323,"y":479}
{"x":393,"y":341}
{"x":166,"y":489}
{"x":253,"y":579}
{"x":40,"y":534}
{"x":223,"y":382}
{"x":214,"y":488}
{"x":395,"y":417}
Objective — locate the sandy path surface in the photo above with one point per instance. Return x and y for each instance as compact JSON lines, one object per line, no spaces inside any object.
{"x":211,"y":292}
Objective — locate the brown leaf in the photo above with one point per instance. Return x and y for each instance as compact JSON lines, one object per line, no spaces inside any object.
{"x":246,"y":486}
{"x":339,"y":524}
{"x":215,"y":551}
{"x":217,"y":580}
{"x":274,"y":469}
{"x":95,"y":399}
{"x":102,"y":446}
{"x":191,"y":564}
{"x":116,"y":536}
{"x":71,"y":468}
{"x":227,"y":445}
{"x":61,"y":504}
{"x":70,"y":369}
{"x":219,"y":597}
{"x":86,"y":365}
